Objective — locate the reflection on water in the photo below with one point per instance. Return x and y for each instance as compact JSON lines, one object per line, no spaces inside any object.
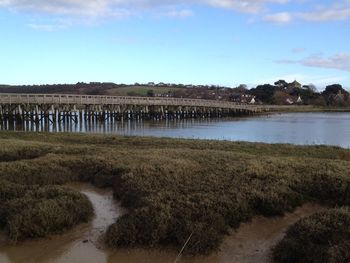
{"x":295,"y":128}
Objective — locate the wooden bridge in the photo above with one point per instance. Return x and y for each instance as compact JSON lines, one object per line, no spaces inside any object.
{"x":61,"y":107}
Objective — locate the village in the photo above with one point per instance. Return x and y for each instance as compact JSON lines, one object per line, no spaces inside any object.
{"x":280,"y":93}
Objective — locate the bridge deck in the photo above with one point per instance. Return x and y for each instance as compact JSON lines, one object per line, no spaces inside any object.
{"x":69,"y":99}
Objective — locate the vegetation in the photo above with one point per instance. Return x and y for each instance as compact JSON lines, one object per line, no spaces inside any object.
{"x":281,"y":93}
{"x":141,"y":91}
{"x":172,"y":188}
{"x":36,"y":211}
{"x":323,"y":237}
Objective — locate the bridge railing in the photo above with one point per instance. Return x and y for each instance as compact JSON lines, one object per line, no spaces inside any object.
{"x":113,"y":100}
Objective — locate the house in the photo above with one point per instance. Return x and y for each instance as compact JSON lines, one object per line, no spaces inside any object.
{"x":243,"y":98}
{"x":289,"y":101}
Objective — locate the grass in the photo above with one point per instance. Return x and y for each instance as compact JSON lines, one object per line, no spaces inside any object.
{"x":34,"y":211}
{"x":323,"y":237}
{"x":311,"y":108}
{"x":141,"y":91}
{"x":172,"y":188}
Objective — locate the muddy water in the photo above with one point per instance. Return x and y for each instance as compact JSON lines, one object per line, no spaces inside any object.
{"x":250,"y":243}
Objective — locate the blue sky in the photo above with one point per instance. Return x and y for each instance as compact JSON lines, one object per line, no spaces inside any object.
{"x":225,"y":42}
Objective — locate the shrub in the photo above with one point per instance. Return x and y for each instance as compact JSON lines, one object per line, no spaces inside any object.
{"x":322,"y":237}
{"x":38,"y":212}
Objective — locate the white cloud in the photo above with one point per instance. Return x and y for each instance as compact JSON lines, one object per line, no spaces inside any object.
{"x":246,"y":6}
{"x":122,"y":8}
{"x":340,"y":61}
{"x":333,"y":13}
{"x":89,"y":8}
{"x":279,"y":18}
{"x":115,"y":7}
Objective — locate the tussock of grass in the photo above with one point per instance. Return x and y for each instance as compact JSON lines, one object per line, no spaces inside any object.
{"x":322,"y":237}
{"x":177,"y":188}
{"x":33,"y":211}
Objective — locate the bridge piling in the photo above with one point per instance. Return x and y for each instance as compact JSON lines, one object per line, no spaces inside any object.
{"x":56,"y":108}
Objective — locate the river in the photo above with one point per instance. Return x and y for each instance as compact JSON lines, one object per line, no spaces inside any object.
{"x":294,"y":128}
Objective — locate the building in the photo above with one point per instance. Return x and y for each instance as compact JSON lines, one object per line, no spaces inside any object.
{"x":243,"y":98}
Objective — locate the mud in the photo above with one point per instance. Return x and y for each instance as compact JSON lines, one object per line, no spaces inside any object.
{"x":81,"y":244}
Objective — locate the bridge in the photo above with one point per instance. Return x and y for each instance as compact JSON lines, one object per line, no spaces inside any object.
{"x":61,"y":107}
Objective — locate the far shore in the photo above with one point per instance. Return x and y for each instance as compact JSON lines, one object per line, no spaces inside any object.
{"x":311,"y":108}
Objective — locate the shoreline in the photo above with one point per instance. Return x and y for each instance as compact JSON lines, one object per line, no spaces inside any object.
{"x":311,"y":109}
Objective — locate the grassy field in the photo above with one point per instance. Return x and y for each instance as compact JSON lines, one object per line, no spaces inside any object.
{"x":141,"y":91}
{"x":174,"y":189}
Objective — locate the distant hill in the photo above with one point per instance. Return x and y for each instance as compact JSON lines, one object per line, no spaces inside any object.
{"x":111,"y":89}
{"x":280,"y":93}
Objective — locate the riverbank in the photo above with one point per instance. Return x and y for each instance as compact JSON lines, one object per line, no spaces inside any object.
{"x":308,"y":109}
{"x":177,"y":190}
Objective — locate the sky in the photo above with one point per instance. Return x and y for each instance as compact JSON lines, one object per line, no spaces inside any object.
{"x":220,"y":42}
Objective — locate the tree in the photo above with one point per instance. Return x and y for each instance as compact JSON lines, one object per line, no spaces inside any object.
{"x":280,"y":97}
{"x":334,"y":89}
{"x":281,"y":83}
{"x":150,"y":93}
{"x":335,"y":95}
{"x":311,"y":87}
{"x":265,"y":92}
{"x":242,"y":88}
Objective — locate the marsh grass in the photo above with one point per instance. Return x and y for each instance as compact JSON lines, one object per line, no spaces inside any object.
{"x":322,"y":237}
{"x":37,"y":211}
{"x":172,"y":188}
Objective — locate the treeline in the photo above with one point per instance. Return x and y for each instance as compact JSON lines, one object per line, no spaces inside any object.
{"x":93,"y":88}
{"x":280,"y":93}
{"x":289,"y":93}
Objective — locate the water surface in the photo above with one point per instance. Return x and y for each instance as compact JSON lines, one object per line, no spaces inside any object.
{"x":295,"y":128}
